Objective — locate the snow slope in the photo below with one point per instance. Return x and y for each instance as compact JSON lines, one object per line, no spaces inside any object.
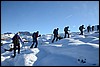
{"x":64,"y":52}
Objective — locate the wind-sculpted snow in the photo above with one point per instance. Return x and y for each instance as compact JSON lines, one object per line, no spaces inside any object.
{"x":64,"y":52}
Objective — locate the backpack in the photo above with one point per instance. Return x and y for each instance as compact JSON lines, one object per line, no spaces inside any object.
{"x":66,"y":29}
{"x":15,"y":39}
{"x":34,"y":35}
{"x":54,"y":32}
{"x":80,"y":28}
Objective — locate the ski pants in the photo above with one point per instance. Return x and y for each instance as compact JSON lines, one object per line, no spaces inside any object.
{"x":55,"y":36}
{"x":16,"y":46}
{"x":35,"y":41}
{"x":81,"y":32}
{"x":66,"y":33}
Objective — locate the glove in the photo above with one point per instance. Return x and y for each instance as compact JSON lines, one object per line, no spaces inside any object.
{"x":39,"y":35}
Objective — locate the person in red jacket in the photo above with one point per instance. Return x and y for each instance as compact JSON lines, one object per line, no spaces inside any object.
{"x":35,"y":36}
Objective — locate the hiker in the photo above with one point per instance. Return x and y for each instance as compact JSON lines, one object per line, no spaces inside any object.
{"x":92,"y":28}
{"x":16,"y":43}
{"x":66,"y":31}
{"x":88,"y":28}
{"x":97,"y":27}
{"x":81,"y":29}
{"x":55,"y":32}
{"x":35,"y":36}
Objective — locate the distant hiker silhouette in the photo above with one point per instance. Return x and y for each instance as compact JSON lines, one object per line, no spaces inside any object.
{"x":92,"y":28}
{"x":35,"y":36}
{"x":81,"y":29}
{"x":88,"y":28}
{"x":66,"y":31}
{"x":16,"y":43}
{"x":97,"y":27}
{"x":55,"y":32}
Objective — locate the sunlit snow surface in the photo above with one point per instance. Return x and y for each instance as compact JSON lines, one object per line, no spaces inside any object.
{"x":64,"y":52}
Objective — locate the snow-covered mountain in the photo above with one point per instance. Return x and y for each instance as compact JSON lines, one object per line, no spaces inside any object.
{"x":78,"y":50}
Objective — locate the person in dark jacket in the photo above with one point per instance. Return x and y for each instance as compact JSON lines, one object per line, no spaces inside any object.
{"x":16,"y":43}
{"x":66,"y":31}
{"x":35,"y":36}
{"x":88,"y":28}
{"x":55,"y":32}
{"x":81,"y":29}
{"x":92,"y":28}
{"x":97,"y":27}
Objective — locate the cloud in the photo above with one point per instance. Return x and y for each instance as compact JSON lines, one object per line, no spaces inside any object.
{"x":68,"y":16}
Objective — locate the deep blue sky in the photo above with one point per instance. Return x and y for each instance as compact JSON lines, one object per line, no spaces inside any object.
{"x":47,"y":15}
